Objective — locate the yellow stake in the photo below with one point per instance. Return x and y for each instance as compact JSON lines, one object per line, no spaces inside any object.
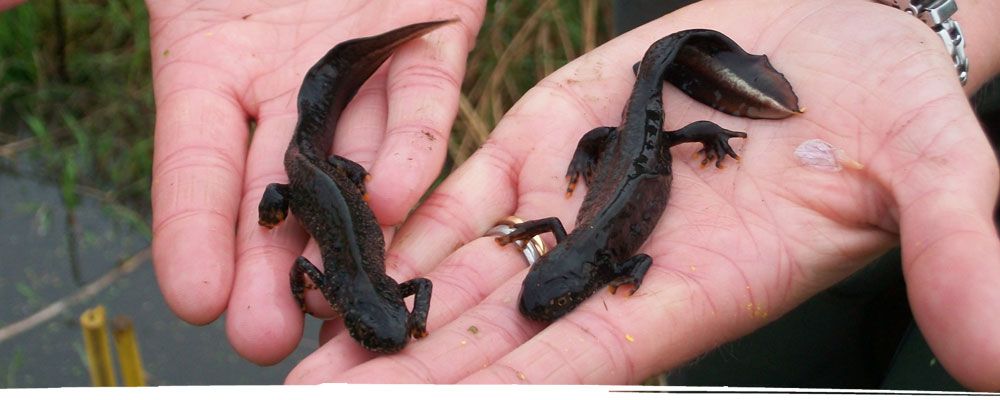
{"x":128,"y":352}
{"x":95,"y":341}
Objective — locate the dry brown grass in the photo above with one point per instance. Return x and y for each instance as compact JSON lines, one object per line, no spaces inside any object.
{"x":520,"y":43}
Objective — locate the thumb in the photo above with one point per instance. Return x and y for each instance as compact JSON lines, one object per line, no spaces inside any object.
{"x":951,"y":253}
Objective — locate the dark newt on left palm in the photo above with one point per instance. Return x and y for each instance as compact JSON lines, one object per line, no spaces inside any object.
{"x":327,"y":195}
{"x":627,"y":168}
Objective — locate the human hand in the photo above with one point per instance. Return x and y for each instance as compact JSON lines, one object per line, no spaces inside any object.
{"x":218,"y":65}
{"x":736,"y":248}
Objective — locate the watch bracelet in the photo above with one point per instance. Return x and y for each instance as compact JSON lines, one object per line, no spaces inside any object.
{"x":937,"y":15}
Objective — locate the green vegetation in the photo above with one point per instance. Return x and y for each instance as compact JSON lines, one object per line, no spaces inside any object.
{"x":12,"y":368}
{"x":76,"y":75}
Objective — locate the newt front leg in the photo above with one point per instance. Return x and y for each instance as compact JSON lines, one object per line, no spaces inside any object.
{"x":714,"y":138}
{"x":273,"y":207}
{"x":588,"y":151}
{"x":527,"y":229}
{"x":420,"y":288}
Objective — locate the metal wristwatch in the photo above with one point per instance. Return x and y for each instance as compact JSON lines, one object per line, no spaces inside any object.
{"x":937,"y":15}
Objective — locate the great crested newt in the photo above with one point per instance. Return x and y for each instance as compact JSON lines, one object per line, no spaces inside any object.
{"x":627,"y":168}
{"x":327,"y":196}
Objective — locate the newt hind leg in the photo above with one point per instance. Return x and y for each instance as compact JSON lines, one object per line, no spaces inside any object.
{"x":297,"y":279}
{"x":354,"y":172}
{"x":588,"y":151}
{"x":273,"y":207}
{"x":420,"y":288}
{"x":714,"y":138}
{"x":631,"y":272}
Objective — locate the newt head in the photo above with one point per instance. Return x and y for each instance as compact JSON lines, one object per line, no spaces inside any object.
{"x":555,"y":285}
{"x":379,"y":327}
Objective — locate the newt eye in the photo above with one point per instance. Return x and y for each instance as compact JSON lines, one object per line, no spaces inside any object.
{"x":562,"y":300}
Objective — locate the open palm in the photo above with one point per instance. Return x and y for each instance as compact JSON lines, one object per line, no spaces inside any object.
{"x":736,"y":247}
{"x":219,"y":64}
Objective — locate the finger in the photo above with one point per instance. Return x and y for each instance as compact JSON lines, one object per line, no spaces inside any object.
{"x":198,"y":167}
{"x":952,"y":274}
{"x":598,"y":346}
{"x":423,"y":86}
{"x":951,"y":252}
{"x":488,"y":186}
{"x":329,"y":330}
{"x":460,"y":283}
{"x":360,"y":129}
{"x":263,"y":321}
{"x":469,"y":202}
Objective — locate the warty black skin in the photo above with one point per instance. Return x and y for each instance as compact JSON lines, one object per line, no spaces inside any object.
{"x":627,"y":168}
{"x":327,"y":196}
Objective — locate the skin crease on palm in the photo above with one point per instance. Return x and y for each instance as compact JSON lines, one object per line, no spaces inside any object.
{"x":735,"y":249}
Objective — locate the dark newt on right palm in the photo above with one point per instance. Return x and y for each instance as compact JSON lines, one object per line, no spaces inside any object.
{"x":627,"y":168}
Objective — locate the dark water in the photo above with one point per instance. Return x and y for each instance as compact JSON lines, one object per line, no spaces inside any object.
{"x":35,"y":271}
